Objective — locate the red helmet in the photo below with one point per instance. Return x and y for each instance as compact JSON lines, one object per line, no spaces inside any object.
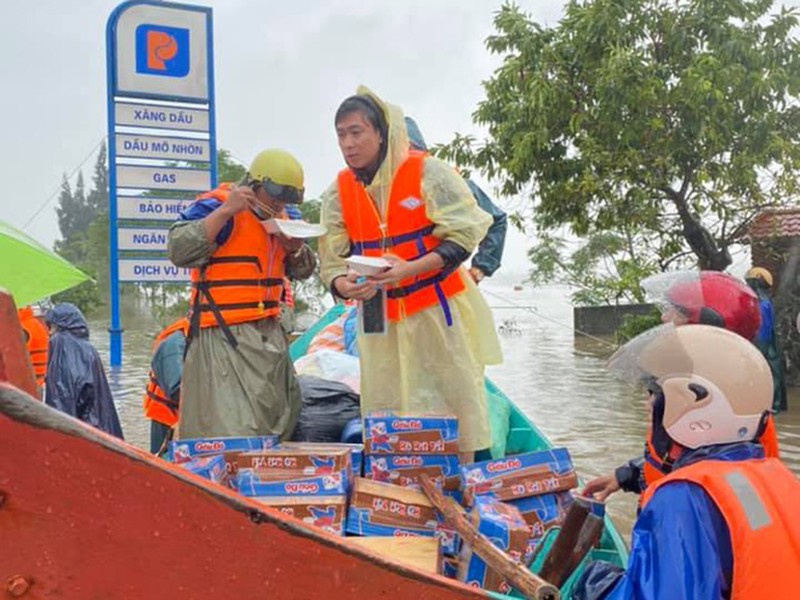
{"x":708,"y":298}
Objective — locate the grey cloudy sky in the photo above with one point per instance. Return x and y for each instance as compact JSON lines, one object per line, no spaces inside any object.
{"x":281,"y":69}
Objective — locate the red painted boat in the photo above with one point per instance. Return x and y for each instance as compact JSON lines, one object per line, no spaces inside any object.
{"x":84,"y":515}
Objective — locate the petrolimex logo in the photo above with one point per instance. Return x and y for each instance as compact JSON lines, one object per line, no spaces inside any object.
{"x":162,"y":50}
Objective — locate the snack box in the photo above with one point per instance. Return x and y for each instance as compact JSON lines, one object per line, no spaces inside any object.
{"x":211,"y":467}
{"x":520,"y":476}
{"x":293,"y":463}
{"x":356,"y":452}
{"x":389,"y":433}
{"x":405,"y":469}
{"x":183,"y":450}
{"x":325,"y":512}
{"x":543,"y":512}
{"x":504,"y":526}
{"x":338,"y":483}
{"x":450,"y":567}
{"x":359,"y":525}
{"x":386,"y":504}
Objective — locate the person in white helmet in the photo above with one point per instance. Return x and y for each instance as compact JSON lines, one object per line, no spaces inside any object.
{"x":724,"y":523}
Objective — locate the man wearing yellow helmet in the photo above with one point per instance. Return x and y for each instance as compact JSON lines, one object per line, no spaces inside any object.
{"x":724,"y":522}
{"x":238,"y":379}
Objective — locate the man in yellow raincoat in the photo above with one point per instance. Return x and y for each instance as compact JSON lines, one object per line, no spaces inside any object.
{"x":416,"y":212}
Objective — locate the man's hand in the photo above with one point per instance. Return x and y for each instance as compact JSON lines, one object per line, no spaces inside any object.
{"x":400,"y":269}
{"x":476,"y":274}
{"x":601,"y":487}
{"x":289,"y":244}
{"x":240,"y":198}
{"x":347,"y":287}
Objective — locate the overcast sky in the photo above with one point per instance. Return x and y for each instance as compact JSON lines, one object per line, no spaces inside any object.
{"x":281,"y":69}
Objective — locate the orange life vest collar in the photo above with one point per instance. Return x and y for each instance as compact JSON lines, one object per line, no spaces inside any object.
{"x":758,"y":500}
{"x":37,"y":339}
{"x":405,"y":230}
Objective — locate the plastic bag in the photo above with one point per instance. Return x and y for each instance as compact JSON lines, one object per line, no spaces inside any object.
{"x":327,"y":408}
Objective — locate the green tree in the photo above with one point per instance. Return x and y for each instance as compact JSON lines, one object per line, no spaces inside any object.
{"x":677,"y":120}
{"x":227,"y":168}
{"x":98,"y":196}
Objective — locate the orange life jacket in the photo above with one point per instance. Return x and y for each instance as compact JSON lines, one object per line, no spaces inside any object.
{"x":404,"y":231}
{"x":157,"y":404}
{"x":37,"y":337}
{"x":758,"y":500}
{"x":654,"y":468}
{"x":243,"y":279}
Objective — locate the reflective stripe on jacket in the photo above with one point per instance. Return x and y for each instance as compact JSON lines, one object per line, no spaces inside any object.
{"x":758,"y":500}
{"x":36,"y":339}
{"x":243,"y":279}
{"x":404,"y":231}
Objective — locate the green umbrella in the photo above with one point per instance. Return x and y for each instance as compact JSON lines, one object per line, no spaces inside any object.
{"x":30,"y":271}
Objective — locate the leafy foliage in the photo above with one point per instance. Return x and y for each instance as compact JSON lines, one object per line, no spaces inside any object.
{"x":677,"y":120}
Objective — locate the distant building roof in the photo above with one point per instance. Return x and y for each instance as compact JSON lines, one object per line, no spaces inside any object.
{"x":775,"y":222}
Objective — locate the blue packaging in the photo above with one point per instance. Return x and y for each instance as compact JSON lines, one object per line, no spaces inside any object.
{"x":324,"y":485}
{"x":211,"y":467}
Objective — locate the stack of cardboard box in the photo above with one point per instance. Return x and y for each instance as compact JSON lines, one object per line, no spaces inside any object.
{"x":536,"y":484}
{"x":399,"y":448}
{"x":383,"y":509}
{"x":310,"y":485}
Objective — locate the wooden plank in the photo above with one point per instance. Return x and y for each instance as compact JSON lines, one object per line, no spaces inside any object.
{"x":419,"y":552}
{"x":84,"y":515}
{"x":580,"y":533}
{"x":528,"y":584}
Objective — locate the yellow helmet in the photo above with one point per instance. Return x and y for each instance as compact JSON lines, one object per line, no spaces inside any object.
{"x":759,"y":273}
{"x":279,"y":173}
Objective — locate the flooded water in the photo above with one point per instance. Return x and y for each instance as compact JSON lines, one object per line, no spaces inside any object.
{"x":558,"y":381}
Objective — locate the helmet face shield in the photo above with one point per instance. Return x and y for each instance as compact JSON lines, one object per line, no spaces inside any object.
{"x":715,"y":385}
{"x":706,"y":298}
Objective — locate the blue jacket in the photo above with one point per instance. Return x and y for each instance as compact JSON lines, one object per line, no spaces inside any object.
{"x":680,"y":545}
{"x":490,"y":250}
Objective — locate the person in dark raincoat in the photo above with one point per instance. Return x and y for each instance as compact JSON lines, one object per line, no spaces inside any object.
{"x":760,"y":280}
{"x":490,"y":251}
{"x":76,"y":383}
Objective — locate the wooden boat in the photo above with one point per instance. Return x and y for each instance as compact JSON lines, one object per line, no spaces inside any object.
{"x":83,"y":515}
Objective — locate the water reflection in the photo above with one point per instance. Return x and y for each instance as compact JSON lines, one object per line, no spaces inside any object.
{"x":558,"y":381}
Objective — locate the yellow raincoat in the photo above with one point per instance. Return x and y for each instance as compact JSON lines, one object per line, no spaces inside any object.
{"x":421,"y":365}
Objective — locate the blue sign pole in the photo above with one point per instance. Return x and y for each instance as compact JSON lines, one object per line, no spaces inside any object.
{"x":115,"y":329}
{"x":159,"y":59}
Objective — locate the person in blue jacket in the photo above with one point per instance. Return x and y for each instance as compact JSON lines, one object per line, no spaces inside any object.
{"x":724,"y":510}
{"x":760,"y":280}
{"x":490,"y":251}
{"x":76,"y":383}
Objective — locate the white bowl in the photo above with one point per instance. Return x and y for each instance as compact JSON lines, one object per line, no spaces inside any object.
{"x":294,"y":228}
{"x":367,"y":265}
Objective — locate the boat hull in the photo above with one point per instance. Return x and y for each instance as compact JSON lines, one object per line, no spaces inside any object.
{"x":83,"y":515}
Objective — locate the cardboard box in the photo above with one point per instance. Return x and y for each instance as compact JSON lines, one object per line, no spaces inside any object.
{"x":506,"y":529}
{"x":520,"y":476}
{"x":211,"y":467}
{"x":542,"y":513}
{"x":404,"y":469}
{"x":293,"y":463}
{"x":450,"y":567}
{"x":358,"y":525}
{"x":181,"y":451}
{"x":333,"y":484}
{"x":386,"y":504}
{"x":389,"y":433}
{"x":423,"y":553}
{"x":356,"y":452}
{"x":325,"y":512}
